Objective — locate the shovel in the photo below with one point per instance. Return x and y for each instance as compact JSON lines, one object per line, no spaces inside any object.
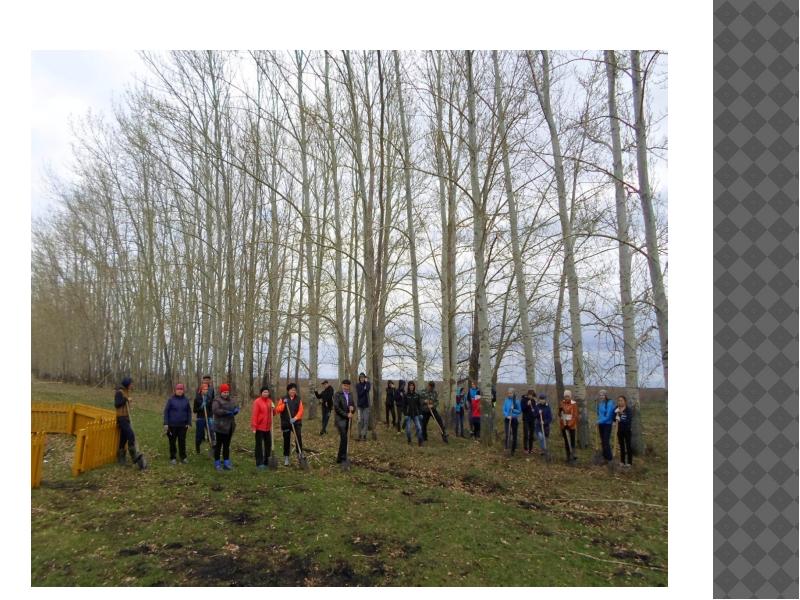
{"x":272,"y":461}
{"x":547,"y":456}
{"x":572,"y":456}
{"x":433,"y":416}
{"x":208,"y":433}
{"x":301,"y":457}
{"x":139,"y":460}
{"x":612,"y":465}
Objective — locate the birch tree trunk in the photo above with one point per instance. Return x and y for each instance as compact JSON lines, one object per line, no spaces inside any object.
{"x":543,"y":93}
{"x":519,"y":272}
{"x":479,"y":245}
{"x":648,"y":215}
{"x":626,"y":299}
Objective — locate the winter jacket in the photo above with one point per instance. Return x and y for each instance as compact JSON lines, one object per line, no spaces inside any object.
{"x":528,"y":406}
{"x":362,"y":391}
{"x":201,"y":399}
{"x":121,"y":403}
{"x":460,"y":401}
{"x":511,"y":408}
{"x":623,"y":418}
{"x":429,"y":397}
{"x":476,"y":408}
{"x":263,"y":409}
{"x":224,"y":419}
{"x":341,"y":406}
{"x":295,"y":408}
{"x":605,"y":411}
{"x":400,"y":400}
{"x":542,"y":413}
{"x":568,"y":414}
{"x":326,"y":396}
{"x":472,"y":392}
{"x":177,"y":412}
{"x":390,"y":395}
{"x":413,"y":408}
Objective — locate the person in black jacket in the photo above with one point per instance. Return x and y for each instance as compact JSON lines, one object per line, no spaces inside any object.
{"x":344,"y":406}
{"x":204,"y":421}
{"x":528,"y":431}
{"x":390,"y":396}
{"x":177,"y":420}
{"x":400,"y":403}
{"x":413,"y":412}
{"x":623,"y":415}
{"x":542,"y":417}
{"x":362,"y":392}
{"x":327,"y":404}
{"x":290,"y":417}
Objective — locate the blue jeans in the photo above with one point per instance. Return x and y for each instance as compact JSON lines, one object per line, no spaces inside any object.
{"x":540,"y":436}
{"x":417,"y":426}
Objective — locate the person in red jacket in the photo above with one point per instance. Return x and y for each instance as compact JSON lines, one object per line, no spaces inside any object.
{"x":475,"y":416}
{"x":261,"y":424}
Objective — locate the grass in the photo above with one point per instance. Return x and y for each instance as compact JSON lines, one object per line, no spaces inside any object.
{"x":458,"y":514}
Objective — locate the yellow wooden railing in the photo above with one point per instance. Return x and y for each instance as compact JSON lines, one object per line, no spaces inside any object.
{"x":95,"y":430}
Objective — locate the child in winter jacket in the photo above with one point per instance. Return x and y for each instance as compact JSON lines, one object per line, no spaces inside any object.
{"x":475,"y":417}
{"x":511,"y":411}
{"x":177,"y":419}
{"x":568,"y":421}
{"x":261,"y":425}
{"x":622,"y":416}
{"x":542,"y":417}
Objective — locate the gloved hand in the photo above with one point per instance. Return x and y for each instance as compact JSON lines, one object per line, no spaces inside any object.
{"x":230,"y":413}
{"x":292,"y":420}
{"x":236,"y":411}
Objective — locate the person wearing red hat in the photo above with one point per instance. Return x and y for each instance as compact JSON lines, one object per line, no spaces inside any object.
{"x":177,"y":420}
{"x":225,"y":411}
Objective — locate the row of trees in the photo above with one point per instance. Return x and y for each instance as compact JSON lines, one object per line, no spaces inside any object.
{"x":259,"y":214}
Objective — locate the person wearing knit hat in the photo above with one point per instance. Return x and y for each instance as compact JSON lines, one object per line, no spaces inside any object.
{"x":225,"y":411}
{"x":568,"y":417}
{"x":177,"y":420}
{"x":542,"y":417}
{"x":290,"y":408}
{"x":126,"y":436}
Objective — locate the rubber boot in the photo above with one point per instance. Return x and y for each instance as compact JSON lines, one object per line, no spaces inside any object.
{"x":121,"y":460}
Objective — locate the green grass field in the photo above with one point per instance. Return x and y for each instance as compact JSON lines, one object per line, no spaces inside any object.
{"x":457,"y":514}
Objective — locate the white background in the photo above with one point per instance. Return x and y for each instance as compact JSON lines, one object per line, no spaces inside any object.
{"x":678,"y":28}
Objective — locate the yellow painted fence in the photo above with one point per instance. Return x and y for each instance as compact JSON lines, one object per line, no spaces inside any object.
{"x":95,"y":430}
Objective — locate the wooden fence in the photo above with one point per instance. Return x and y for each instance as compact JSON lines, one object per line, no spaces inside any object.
{"x":95,"y":430}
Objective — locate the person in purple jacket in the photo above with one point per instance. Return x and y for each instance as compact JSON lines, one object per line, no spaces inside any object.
{"x":177,"y":420}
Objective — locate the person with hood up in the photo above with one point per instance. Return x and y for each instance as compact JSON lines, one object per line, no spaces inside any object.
{"x":177,"y":420}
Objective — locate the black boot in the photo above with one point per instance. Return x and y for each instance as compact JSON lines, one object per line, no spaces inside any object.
{"x":121,"y":460}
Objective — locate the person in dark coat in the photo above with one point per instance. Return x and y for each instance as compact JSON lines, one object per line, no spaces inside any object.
{"x":362,"y":392}
{"x":126,"y":436}
{"x":400,"y":403}
{"x":291,"y":411}
{"x":390,"y":397}
{"x":623,"y":415}
{"x":430,"y":403}
{"x":413,"y":412}
{"x":460,"y":409}
{"x":542,"y":417}
{"x":344,"y":406}
{"x":327,"y":404}
{"x":177,"y":420}
{"x":528,"y":431}
{"x":204,"y":417}
{"x":225,"y":411}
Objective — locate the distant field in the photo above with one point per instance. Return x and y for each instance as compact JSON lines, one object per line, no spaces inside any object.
{"x":457,"y":514}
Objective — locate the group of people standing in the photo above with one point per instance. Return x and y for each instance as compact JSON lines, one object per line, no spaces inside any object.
{"x":215,"y":419}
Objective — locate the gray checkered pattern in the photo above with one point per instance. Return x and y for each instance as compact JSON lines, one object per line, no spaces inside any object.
{"x":755,"y":299}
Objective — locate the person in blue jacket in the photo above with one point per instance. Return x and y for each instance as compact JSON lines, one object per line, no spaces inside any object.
{"x":511,"y":411}
{"x":177,"y":420}
{"x":605,"y":420}
{"x":460,"y":409}
{"x":542,"y":417}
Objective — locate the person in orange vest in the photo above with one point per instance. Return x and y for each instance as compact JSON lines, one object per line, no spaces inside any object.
{"x":291,"y":417}
{"x":261,"y":425}
{"x":568,"y":420}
